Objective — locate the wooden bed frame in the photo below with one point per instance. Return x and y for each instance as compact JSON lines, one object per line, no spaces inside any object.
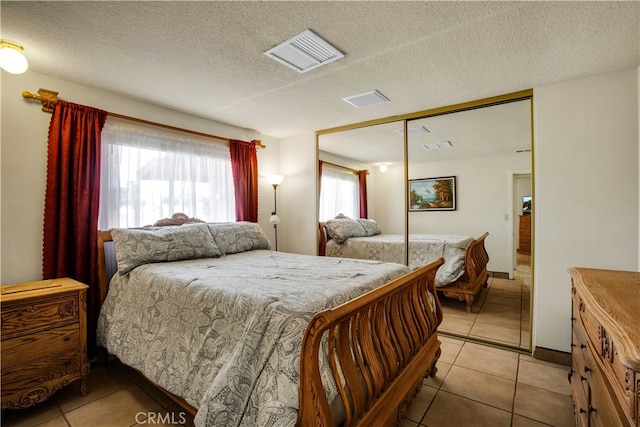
{"x":381,"y":344}
{"x":465,"y":288}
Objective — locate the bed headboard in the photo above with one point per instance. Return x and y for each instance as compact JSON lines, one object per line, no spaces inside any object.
{"x":323,"y":237}
{"x":107,"y":265}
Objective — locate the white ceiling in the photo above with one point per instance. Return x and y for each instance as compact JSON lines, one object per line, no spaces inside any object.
{"x":206,"y":58}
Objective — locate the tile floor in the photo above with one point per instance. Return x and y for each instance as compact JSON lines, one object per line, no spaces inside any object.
{"x":476,"y":385}
{"x":501,"y":313}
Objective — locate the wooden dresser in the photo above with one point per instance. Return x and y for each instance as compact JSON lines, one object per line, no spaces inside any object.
{"x":605,"y":371}
{"x":44,"y":340}
{"x":524,"y":233}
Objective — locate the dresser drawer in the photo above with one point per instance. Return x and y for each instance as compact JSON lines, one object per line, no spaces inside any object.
{"x":26,"y":317}
{"x":40,"y":357}
{"x":604,"y":411}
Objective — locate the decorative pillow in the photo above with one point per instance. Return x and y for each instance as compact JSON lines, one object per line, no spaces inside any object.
{"x":371,"y":228}
{"x":341,"y":229}
{"x":139,"y":246}
{"x":234,"y":237}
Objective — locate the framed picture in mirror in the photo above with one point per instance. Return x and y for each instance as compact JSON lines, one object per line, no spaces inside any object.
{"x":432,"y":194}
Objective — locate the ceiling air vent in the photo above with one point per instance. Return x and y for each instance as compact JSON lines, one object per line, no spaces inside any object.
{"x":304,"y":52}
{"x":366,"y":99}
{"x":438,"y":145}
{"x":420,"y":130}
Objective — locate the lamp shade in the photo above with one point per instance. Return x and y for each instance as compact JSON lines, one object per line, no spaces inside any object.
{"x":274,"y":219}
{"x":275,"y":179}
{"x":11,"y":58}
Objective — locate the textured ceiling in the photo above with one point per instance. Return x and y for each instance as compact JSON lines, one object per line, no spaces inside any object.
{"x":205,"y":58}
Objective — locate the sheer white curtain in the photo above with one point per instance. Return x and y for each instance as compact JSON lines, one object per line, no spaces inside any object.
{"x":146,"y":177}
{"x":339,"y":193}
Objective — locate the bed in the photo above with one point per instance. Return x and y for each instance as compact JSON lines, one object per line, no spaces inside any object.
{"x":242,"y":335}
{"x":461,"y":277}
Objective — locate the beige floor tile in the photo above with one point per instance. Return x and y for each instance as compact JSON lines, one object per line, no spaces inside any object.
{"x":420,"y":404}
{"x":520,"y":421}
{"x":34,"y":415}
{"x":481,"y":387}
{"x":506,"y":285}
{"x":117,"y":409}
{"x":489,"y":360}
{"x":455,"y":325}
{"x":545,"y":377}
{"x":503,"y":300}
{"x":544,"y":406}
{"x":449,"y":351}
{"x":449,"y":410}
{"x":451,"y":340}
{"x":104,"y":379}
{"x":500,"y":319}
{"x":529,"y":358}
{"x":408,"y":423}
{"x":436,"y":381}
{"x":58,"y":421}
{"x":496,"y":333}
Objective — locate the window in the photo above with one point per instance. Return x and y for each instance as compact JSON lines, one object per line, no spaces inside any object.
{"x":339,"y":193}
{"x":147,"y":177}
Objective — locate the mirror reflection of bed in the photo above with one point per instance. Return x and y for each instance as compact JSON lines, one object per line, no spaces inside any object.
{"x":491,"y":161}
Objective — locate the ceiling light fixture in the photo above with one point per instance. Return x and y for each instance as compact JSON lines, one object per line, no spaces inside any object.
{"x":437,"y":145}
{"x":420,"y":130}
{"x":11,"y":58}
{"x":367,"y":99}
{"x":383,"y":167}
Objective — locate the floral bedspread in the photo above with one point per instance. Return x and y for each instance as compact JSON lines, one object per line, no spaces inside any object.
{"x":225,"y":333}
{"x":423,"y":249}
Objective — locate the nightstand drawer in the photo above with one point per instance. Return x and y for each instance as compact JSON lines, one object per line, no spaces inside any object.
{"x":23,"y":350}
{"x":26,"y":317}
{"x":38,"y":358}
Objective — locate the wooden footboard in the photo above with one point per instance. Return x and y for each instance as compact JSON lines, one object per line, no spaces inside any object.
{"x":475,"y":276}
{"x":380,"y":347}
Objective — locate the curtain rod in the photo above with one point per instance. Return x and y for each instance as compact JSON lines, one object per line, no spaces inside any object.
{"x":49,"y":98}
{"x":355,"y":171}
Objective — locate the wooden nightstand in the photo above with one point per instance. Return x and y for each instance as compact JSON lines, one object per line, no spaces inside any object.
{"x":44,"y":340}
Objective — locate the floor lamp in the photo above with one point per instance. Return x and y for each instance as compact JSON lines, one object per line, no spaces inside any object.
{"x":274,"y":219}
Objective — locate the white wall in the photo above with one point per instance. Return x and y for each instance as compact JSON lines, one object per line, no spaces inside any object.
{"x":586,"y":190}
{"x":24,"y":155}
{"x":483,"y":202}
{"x":299,"y":212}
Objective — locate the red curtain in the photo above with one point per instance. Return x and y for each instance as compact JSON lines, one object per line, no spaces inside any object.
{"x":70,"y":247}
{"x":362,"y":180}
{"x":244,"y":164}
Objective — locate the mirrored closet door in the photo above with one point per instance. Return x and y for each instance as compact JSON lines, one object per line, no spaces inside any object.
{"x":461,"y":172}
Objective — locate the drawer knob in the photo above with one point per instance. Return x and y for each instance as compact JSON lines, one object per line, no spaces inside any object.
{"x":572,"y":345}
{"x":66,"y":339}
{"x":583,"y":346}
{"x":582,"y":411}
{"x":582,"y":378}
{"x":587,"y":369}
{"x":573,"y":319}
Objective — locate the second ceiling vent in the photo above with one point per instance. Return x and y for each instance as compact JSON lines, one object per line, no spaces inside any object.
{"x":304,"y":52}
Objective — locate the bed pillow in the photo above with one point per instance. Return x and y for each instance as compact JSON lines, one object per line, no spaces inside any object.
{"x":371,"y":228}
{"x":235,"y":237}
{"x":342,"y":229}
{"x":140,"y":246}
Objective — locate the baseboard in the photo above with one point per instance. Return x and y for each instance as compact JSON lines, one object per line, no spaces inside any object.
{"x":499,"y":274}
{"x":554,"y":356}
